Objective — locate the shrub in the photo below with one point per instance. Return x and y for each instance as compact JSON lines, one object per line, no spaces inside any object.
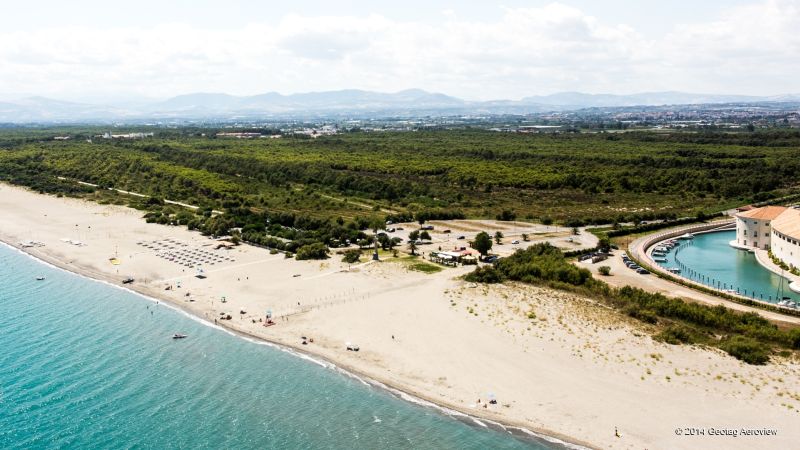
{"x":542,"y":262}
{"x":645,"y":315}
{"x":485,"y":274}
{"x":604,"y":270}
{"x":317,"y":250}
{"x":676,"y":334}
{"x":794,"y":338}
{"x":506,"y":216}
{"x":351,"y":256}
{"x":746,"y":349}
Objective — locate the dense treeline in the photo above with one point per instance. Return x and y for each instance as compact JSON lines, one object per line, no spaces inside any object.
{"x":647,"y":227}
{"x":290,"y":192}
{"x":597,"y":178}
{"x":747,"y":336}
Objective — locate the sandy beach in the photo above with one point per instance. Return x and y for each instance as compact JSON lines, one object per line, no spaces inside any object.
{"x":557,"y":363}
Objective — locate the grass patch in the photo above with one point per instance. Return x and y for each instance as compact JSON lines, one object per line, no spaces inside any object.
{"x":424,"y":267}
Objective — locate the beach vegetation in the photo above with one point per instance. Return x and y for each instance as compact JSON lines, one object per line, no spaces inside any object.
{"x":417,"y":264}
{"x":506,"y":215}
{"x":316,"y":250}
{"x":746,"y":336}
{"x":485,"y":274}
{"x":351,"y":256}
{"x":482,"y":243}
{"x":746,"y":349}
{"x":498,"y":237}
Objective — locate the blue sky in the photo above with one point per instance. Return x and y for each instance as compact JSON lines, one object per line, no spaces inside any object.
{"x":479,"y":50}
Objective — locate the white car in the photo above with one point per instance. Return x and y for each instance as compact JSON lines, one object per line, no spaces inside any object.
{"x":515,"y":242}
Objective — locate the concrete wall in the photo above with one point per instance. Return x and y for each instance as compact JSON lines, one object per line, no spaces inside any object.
{"x":753,"y":233}
{"x":785,"y":248}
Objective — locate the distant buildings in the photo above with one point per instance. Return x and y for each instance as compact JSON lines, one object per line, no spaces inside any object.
{"x":239,"y":135}
{"x":325,"y":130}
{"x":125,"y":136}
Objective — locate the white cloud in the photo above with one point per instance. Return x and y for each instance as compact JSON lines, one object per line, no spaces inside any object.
{"x":750,"y":49}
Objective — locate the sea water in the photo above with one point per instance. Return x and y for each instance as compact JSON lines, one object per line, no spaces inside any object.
{"x":87,"y":365}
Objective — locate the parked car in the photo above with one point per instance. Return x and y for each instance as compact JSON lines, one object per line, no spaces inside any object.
{"x":642,"y":271}
{"x":515,"y":242}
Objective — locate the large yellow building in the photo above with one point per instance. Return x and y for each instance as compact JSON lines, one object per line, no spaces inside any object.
{"x":775,"y":228}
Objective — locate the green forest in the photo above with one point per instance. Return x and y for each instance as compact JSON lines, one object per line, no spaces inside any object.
{"x":331,"y":188}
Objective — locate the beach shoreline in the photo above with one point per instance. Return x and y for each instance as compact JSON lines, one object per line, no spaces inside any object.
{"x":562,"y":366}
{"x":471,"y":418}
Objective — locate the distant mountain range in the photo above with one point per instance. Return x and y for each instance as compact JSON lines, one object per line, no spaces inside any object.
{"x":352,"y":102}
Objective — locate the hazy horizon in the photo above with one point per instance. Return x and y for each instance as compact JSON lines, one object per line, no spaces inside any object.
{"x":89,"y":50}
{"x":123,"y":98}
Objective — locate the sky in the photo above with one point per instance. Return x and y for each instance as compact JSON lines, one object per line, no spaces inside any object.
{"x":92,"y":50}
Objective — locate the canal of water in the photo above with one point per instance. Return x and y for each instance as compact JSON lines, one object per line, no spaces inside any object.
{"x":710,"y":260}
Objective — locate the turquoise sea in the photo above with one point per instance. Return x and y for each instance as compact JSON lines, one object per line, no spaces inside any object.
{"x":87,"y":365}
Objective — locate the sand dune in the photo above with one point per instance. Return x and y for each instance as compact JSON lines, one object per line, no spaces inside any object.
{"x":557,"y":363}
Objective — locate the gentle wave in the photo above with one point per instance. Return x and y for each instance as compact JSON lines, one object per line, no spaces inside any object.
{"x":85,"y":371}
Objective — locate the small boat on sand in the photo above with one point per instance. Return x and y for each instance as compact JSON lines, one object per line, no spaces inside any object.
{"x":178,"y":336}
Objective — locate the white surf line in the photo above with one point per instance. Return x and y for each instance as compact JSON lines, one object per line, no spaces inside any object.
{"x":322,"y":362}
{"x":251,"y":263}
